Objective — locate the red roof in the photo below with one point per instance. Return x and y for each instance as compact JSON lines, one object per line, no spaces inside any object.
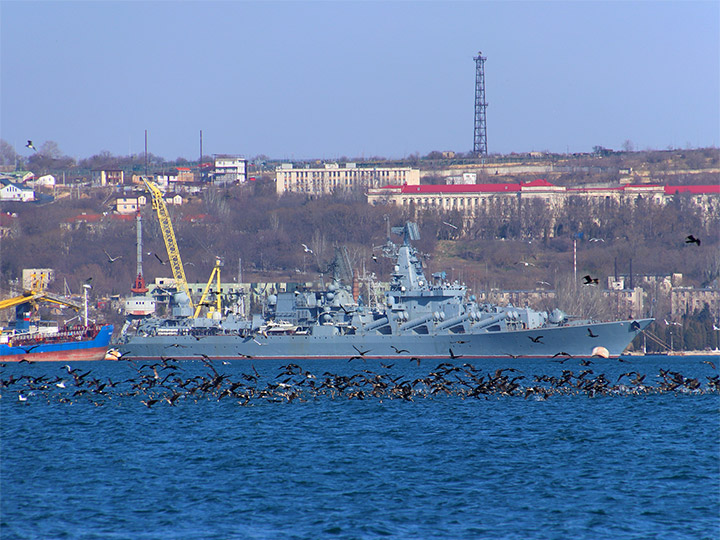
{"x":194,"y":218}
{"x":425,"y":189}
{"x":86,"y":218}
{"x":461,"y":188}
{"x":6,"y":219}
{"x":540,"y":182}
{"x":712,"y":188}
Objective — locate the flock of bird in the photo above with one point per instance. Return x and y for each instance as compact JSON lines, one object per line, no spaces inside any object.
{"x":169,"y":382}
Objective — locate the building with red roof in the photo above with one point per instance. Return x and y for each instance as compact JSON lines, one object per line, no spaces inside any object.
{"x":470,"y":198}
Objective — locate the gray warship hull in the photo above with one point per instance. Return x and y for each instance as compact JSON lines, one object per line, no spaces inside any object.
{"x":560,"y":341}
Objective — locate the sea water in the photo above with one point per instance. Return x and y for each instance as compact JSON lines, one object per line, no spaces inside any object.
{"x":446,"y":466}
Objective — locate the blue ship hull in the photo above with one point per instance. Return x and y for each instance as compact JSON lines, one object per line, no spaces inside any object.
{"x":74,"y":346}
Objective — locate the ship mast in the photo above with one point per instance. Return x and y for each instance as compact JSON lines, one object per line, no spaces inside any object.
{"x":139,"y":286}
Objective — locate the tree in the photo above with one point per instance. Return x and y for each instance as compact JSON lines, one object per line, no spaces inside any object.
{"x":628,"y":146}
{"x":49,"y":158}
{"x":8,"y":155}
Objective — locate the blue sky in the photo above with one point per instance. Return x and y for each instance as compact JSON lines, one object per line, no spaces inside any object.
{"x":295,"y":80}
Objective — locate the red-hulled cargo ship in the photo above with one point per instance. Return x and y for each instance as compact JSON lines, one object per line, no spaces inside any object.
{"x":72,"y":343}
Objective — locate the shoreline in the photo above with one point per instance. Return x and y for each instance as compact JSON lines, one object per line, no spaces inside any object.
{"x":708,"y":352}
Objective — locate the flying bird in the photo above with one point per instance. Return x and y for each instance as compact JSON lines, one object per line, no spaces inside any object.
{"x":399,"y":351}
{"x":590,"y":333}
{"x":112,"y":259}
{"x":306,"y":249}
{"x":588,"y":280}
{"x":690,"y":239}
{"x":449,"y":224}
{"x":158,"y":258}
{"x":454,"y":356}
{"x":361,"y":353}
{"x":30,"y":146}
{"x":535,"y":339}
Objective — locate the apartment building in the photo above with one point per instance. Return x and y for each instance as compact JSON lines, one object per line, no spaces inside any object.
{"x":332,"y":177}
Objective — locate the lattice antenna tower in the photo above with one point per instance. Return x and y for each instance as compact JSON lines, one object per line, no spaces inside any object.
{"x":480,"y":139}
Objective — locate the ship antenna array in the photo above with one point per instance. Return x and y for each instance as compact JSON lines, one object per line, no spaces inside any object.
{"x":480,"y":139}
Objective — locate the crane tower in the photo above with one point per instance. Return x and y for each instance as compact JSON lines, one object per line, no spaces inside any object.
{"x":480,"y":140}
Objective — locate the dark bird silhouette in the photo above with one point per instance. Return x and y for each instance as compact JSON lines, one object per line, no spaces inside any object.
{"x":112,"y":259}
{"x":588,"y":280}
{"x":30,"y":146}
{"x":416,"y":360}
{"x":399,"y":351}
{"x":709,"y":363}
{"x":590,"y":333}
{"x":562,"y":353}
{"x":374,"y":258}
{"x":454,"y":356}
{"x":361,"y":353}
{"x":690,"y":239}
{"x":635,"y":325}
{"x":158,"y":258}
{"x":535,"y":339}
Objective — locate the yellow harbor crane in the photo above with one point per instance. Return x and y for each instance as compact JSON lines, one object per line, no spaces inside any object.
{"x":158,"y":204}
{"x":173,"y":252}
{"x":218,"y":303}
{"x":37,"y":293}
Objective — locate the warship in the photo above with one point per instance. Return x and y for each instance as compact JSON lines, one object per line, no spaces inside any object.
{"x":419,"y":318}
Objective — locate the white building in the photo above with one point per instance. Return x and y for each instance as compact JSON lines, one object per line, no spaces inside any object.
{"x":47,"y":180}
{"x":229,"y":169}
{"x":129,"y":205}
{"x":9,"y":191}
{"x":331,"y":177}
